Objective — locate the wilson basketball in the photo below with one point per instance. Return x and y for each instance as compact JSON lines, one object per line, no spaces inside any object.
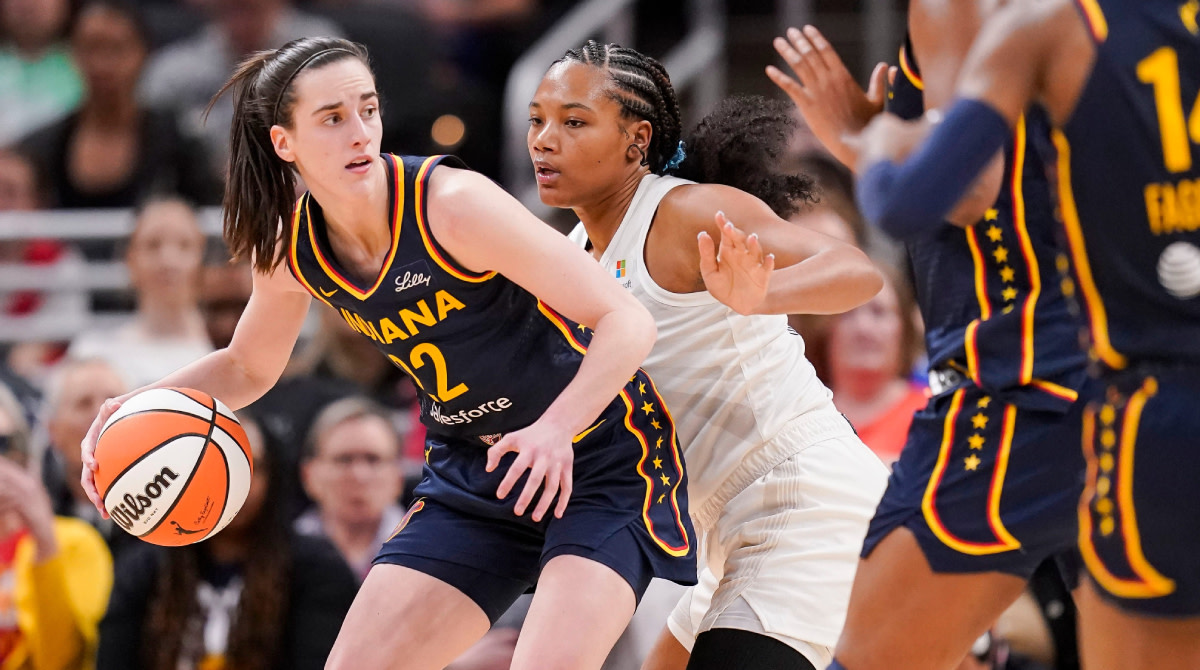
{"x":174,"y":466}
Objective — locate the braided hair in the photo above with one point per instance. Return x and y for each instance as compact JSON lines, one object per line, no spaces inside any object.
{"x":739,"y":144}
{"x":643,"y":90}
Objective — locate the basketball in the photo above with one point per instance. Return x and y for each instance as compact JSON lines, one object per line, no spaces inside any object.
{"x":173,"y":466}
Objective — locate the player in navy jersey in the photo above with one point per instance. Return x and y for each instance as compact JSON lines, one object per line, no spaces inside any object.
{"x":988,"y":482}
{"x":526,"y":355}
{"x":1120,"y":80}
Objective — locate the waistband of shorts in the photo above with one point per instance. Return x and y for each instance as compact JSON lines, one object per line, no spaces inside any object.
{"x":794,"y":436}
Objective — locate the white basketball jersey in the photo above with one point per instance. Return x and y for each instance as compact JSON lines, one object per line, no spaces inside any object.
{"x":731,"y":382}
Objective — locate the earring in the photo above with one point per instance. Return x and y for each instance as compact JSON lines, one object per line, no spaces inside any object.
{"x":644,"y":161}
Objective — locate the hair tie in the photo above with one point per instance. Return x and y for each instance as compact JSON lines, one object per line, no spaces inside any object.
{"x":288,"y":82}
{"x":677,"y":158}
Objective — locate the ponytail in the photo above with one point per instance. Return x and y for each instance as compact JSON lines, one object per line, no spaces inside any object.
{"x":741,"y":144}
{"x":260,"y":187}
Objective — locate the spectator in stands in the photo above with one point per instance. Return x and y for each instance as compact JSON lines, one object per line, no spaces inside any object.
{"x":352,"y":471}
{"x":224,"y":293}
{"x":184,"y":76}
{"x":167,"y":330}
{"x":38,"y":82}
{"x":113,"y":152}
{"x":73,"y":398}
{"x":252,"y":597}
{"x":42,"y":320}
{"x":871,"y":350}
{"x":55,"y":573}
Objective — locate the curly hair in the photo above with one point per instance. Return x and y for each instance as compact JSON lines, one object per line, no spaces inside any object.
{"x":741,"y":144}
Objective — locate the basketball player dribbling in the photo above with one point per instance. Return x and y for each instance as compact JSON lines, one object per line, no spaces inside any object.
{"x":1119,"y":81}
{"x":782,"y":488}
{"x":987,"y":484}
{"x":525,"y":353}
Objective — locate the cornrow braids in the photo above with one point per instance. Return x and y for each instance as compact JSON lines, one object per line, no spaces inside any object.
{"x":643,"y":89}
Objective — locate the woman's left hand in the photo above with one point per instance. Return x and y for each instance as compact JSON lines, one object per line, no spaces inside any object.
{"x":738,"y":272}
{"x":547,"y":453}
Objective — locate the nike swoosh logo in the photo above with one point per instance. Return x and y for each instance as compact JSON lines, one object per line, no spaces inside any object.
{"x":588,"y":431}
{"x":327,"y":295}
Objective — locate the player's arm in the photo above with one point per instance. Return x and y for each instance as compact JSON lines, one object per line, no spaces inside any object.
{"x":485,"y":229}
{"x":764,"y":265}
{"x":942,"y":32}
{"x":905,"y":197}
{"x":238,"y":374}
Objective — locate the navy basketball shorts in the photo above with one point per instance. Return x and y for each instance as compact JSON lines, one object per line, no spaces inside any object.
{"x":628,"y":509}
{"x":985,"y":485}
{"x":1140,"y":515}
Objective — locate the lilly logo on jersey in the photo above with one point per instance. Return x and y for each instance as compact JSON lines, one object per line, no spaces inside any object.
{"x":132,"y":507}
{"x":469,"y":415}
{"x":413,"y":275}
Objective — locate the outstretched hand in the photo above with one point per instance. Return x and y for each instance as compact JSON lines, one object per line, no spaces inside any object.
{"x":827,"y":95}
{"x":738,"y":272}
{"x":549,"y":457}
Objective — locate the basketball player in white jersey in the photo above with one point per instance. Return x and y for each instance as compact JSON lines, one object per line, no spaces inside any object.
{"x":781,"y":487}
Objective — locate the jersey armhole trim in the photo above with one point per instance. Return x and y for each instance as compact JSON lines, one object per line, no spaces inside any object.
{"x":431,"y":246}
{"x":1093,"y":16}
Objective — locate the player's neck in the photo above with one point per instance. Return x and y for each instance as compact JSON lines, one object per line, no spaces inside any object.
{"x":603,"y":217}
{"x":359,"y":222}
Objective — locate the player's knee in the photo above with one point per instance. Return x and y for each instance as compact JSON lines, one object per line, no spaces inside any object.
{"x":732,"y":649}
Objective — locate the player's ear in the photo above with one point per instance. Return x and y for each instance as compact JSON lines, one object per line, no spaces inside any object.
{"x":282,"y":142}
{"x":642,"y":132}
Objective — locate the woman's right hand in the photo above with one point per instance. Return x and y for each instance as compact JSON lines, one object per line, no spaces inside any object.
{"x":88,"y":448}
{"x":827,"y":95}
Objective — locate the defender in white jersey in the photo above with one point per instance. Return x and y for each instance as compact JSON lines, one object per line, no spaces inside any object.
{"x":781,"y":487}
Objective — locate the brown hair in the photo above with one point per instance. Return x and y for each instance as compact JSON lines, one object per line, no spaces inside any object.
{"x":260,"y":187}
{"x":256,"y":639}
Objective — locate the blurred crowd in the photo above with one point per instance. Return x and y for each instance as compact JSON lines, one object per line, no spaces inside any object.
{"x":105,"y":105}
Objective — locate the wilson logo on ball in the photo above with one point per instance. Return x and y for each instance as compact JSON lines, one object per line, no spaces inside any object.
{"x":131,"y":507}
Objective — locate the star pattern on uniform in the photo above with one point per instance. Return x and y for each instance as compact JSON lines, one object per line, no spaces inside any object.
{"x":1009,"y":294}
{"x":665,"y":480}
{"x":1007,"y":274}
{"x":1001,"y":254}
{"x":647,"y":408}
{"x":991,"y":214}
{"x":582,"y":328}
{"x":976,"y":441}
{"x":642,"y":388}
{"x":994,"y":233}
{"x":971,"y":462}
{"x":658,"y":444}
{"x":983,"y":402}
{"x":656,"y":424}
{"x":1007,"y":310}
{"x":979,"y":421}
{"x":657,"y":463}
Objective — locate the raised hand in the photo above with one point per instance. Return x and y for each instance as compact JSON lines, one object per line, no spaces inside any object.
{"x":548,"y":455}
{"x":737,"y":273}
{"x":827,"y":95}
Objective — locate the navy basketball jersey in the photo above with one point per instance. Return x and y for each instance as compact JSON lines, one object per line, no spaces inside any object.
{"x":487,"y":356}
{"x":1128,"y":171}
{"x":990,"y":295}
